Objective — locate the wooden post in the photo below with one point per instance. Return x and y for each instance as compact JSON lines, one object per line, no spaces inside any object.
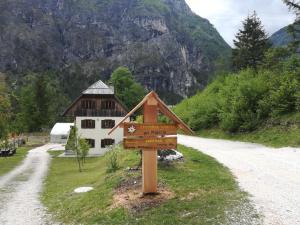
{"x":149,"y":167}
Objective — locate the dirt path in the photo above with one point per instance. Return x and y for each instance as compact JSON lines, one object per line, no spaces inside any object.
{"x":271,"y":176}
{"x":20,"y":188}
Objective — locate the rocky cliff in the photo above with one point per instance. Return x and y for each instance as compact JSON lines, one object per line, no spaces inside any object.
{"x":167,"y":47}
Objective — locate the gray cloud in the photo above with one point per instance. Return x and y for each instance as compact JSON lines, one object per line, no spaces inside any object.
{"x":226,"y":15}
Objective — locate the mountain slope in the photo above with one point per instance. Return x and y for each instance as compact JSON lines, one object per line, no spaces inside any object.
{"x":282,"y":37}
{"x":167,"y":47}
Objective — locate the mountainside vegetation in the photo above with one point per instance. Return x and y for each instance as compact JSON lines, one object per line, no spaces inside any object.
{"x":289,"y":35}
{"x":281,"y":37}
{"x":249,"y":100}
{"x":165,"y":45}
{"x":254,"y":99}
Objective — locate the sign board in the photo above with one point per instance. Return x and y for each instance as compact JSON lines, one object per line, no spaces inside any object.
{"x":149,"y":130}
{"x":162,"y":143}
{"x":150,"y":136}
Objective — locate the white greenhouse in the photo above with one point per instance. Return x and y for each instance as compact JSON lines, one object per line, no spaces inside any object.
{"x":60,"y":133}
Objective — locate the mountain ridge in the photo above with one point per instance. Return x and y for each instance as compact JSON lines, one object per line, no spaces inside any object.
{"x":167,"y":47}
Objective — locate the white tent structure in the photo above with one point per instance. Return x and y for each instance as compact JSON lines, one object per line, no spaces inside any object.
{"x":60,"y":133}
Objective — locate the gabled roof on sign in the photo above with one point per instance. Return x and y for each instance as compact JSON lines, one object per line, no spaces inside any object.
{"x":99,"y":88}
{"x":163,"y":108}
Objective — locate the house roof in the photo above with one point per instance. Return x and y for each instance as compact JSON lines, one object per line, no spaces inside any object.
{"x":99,"y":88}
{"x":61,"y":129}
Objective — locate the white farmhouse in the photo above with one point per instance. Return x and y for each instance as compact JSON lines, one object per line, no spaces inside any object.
{"x":95,"y":112}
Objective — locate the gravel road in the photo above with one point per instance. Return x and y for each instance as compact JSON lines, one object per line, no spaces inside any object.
{"x":271,"y":176}
{"x":20,"y":188}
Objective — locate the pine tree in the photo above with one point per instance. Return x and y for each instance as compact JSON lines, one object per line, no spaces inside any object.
{"x":250,"y":45}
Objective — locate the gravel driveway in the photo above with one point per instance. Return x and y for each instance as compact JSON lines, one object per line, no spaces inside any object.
{"x":271,"y":176}
{"x":20,"y":188}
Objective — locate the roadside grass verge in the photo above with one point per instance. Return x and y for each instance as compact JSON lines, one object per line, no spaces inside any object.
{"x":205,"y":192}
{"x":8,"y":163}
{"x":276,"y":136}
{"x":282,"y":131}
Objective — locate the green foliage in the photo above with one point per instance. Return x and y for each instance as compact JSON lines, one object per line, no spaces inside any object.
{"x":5,"y":109}
{"x":157,"y":4}
{"x":241,"y":102}
{"x":40,"y":102}
{"x":71,"y":143}
{"x":112,"y":161}
{"x":84,"y":148}
{"x":250,"y":44}
{"x":79,"y":146}
{"x":126,"y":89}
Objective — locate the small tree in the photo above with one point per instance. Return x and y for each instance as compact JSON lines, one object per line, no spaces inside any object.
{"x":84,"y":149}
{"x":112,"y":161}
{"x":79,"y":146}
{"x":250,"y":45}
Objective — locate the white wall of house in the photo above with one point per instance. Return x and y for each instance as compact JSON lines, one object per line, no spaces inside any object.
{"x":98,"y":133}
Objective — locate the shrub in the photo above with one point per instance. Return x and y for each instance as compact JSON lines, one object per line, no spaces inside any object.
{"x":112,"y":161}
{"x":241,"y":102}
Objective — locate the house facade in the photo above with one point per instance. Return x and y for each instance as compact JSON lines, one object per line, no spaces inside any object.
{"x":95,"y":112}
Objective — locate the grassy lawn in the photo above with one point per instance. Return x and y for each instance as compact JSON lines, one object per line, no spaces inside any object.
{"x":205,"y":192}
{"x":277,"y":132}
{"x":8,"y":163}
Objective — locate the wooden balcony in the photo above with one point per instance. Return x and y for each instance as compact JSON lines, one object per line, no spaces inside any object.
{"x":98,"y":113}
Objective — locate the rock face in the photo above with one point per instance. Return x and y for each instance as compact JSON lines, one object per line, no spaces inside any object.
{"x":167,"y":47}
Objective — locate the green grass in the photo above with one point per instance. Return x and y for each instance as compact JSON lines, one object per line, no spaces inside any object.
{"x":8,"y":163}
{"x":273,"y":137}
{"x":212,"y":186}
{"x":278,"y":132}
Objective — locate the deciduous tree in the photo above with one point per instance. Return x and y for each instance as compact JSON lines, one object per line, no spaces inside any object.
{"x":126,"y":88}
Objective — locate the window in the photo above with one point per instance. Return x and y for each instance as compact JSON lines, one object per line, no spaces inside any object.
{"x":107,"y":104}
{"x":87,"y":124}
{"x":91,"y":142}
{"x":106,"y":124}
{"x":88,"y":104}
{"x":107,"y":142}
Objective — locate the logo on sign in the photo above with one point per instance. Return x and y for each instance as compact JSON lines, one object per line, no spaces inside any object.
{"x":131,"y":129}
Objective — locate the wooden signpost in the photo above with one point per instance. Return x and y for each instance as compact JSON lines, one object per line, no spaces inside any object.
{"x":161,"y":143}
{"x":151,"y":136}
{"x":149,"y":130}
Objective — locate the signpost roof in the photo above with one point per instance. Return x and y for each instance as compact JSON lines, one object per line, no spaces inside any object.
{"x":163,"y":108}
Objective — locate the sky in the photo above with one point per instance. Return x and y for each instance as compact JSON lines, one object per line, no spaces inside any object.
{"x":226,"y":15}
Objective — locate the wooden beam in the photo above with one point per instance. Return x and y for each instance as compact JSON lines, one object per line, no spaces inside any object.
{"x":149,"y":167}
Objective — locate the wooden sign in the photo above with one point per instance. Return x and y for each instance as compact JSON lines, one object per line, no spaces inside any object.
{"x":149,"y":130}
{"x":162,"y":143}
{"x":149,"y":136}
